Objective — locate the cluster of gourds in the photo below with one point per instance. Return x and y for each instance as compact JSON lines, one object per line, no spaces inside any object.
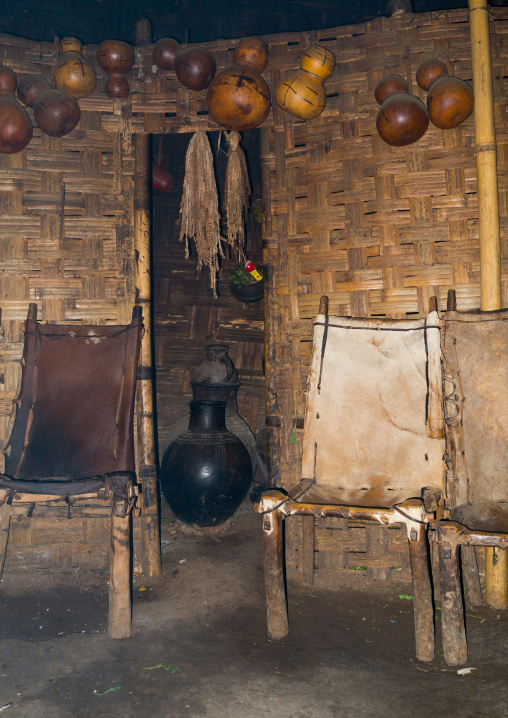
{"x":238,"y":98}
{"x":56,"y":109}
{"x":403,"y":119}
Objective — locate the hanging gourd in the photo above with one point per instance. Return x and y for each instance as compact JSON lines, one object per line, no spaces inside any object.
{"x":162,"y":180}
{"x":116,"y":58}
{"x":55,"y":111}
{"x":15,"y":127}
{"x":402,"y":118}
{"x":238,"y":98}
{"x":165,"y":52}
{"x":302,"y":92}
{"x":450,"y":100}
{"x":73,"y":73}
{"x":195,"y":68}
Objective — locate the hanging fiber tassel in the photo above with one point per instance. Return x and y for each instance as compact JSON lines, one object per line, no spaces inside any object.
{"x":236,"y":194}
{"x":200,"y":207}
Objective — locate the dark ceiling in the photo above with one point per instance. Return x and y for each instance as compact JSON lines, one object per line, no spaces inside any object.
{"x":198,"y":21}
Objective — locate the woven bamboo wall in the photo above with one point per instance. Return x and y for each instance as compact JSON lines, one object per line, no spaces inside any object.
{"x":378,"y":229}
{"x":66,"y":233}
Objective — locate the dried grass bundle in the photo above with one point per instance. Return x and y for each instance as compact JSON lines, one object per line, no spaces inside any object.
{"x":200,"y":207}
{"x":236,"y":194}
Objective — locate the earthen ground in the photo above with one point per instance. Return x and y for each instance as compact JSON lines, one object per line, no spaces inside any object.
{"x":199,"y":646}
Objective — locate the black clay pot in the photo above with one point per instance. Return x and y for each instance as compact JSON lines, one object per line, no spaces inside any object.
{"x":248,"y":292}
{"x":206,"y":471}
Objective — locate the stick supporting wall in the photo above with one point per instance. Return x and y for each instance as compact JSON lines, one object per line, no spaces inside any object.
{"x":147,"y":468}
{"x":488,"y":215}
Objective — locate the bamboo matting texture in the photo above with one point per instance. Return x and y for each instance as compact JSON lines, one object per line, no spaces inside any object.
{"x":379,"y":229}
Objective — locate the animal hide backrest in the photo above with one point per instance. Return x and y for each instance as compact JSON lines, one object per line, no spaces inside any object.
{"x":476,"y":405}
{"x":374,"y":424}
{"x":74,"y":418}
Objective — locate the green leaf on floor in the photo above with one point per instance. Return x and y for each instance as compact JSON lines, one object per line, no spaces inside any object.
{"x":165,"y":667}
{"x":110,"y":690}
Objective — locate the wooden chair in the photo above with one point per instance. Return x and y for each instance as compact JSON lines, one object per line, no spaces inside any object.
{"x":72,"y":436}
{"x":373,"y":445}
{"x":476,"y":417}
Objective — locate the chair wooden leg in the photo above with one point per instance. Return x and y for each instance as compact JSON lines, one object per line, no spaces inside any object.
{"x":422,"y":598}
{"x":470,"y":576}
{"x":119,"y":578}
{"x":5,"y":522}
{"x":452,"y":609}
{"x":276,"y":605}
{"x":496,"y":572}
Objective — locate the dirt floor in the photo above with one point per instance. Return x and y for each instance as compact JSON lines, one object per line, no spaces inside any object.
{"x":199,"y":646}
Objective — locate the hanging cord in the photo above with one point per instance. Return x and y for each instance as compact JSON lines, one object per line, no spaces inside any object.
{"x":407,"y":516}
{"x":427,"y":395}
{"x":323,"y":346}
{"x":269,"y":511}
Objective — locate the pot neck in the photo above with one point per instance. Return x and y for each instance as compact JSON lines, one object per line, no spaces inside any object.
{"x":207,"y":416}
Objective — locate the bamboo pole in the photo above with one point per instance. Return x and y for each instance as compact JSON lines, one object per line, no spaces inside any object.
{"x":486,"y":166}
{"x":147,"y":468}
{"x":496,"y":571}
{"x":488,"y":215}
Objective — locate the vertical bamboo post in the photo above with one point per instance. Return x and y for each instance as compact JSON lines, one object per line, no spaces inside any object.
{"x":488,"y":215}
{"x":147,"y":469}
{"x":496,"y":571}
{"x":486,"y":166}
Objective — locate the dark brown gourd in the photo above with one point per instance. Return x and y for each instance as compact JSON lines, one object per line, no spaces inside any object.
{"x":165,"y":52}
{"x":238,"y":98}
{"x":402,"y":118}
{"x":195,"y":68}
{"x":450,"y":100}
{"x":15,"y":127}
{"x":55,"y":111}
{"x":116,"y":58}
{"x":73,"y":73}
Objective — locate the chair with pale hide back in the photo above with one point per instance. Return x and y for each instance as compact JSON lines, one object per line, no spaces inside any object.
{"x":475,"y":372}
{"x":373,"y":446}
{"x":72,"y":435}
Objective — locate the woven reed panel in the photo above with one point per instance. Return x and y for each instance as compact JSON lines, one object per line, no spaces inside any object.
{"x":187,"y":317}
{"x":350,"y":552}
{"x":378,"y":229}
{"x":66,"y":234}
{"x":66,"y":243}
{"x":50,"y":540}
